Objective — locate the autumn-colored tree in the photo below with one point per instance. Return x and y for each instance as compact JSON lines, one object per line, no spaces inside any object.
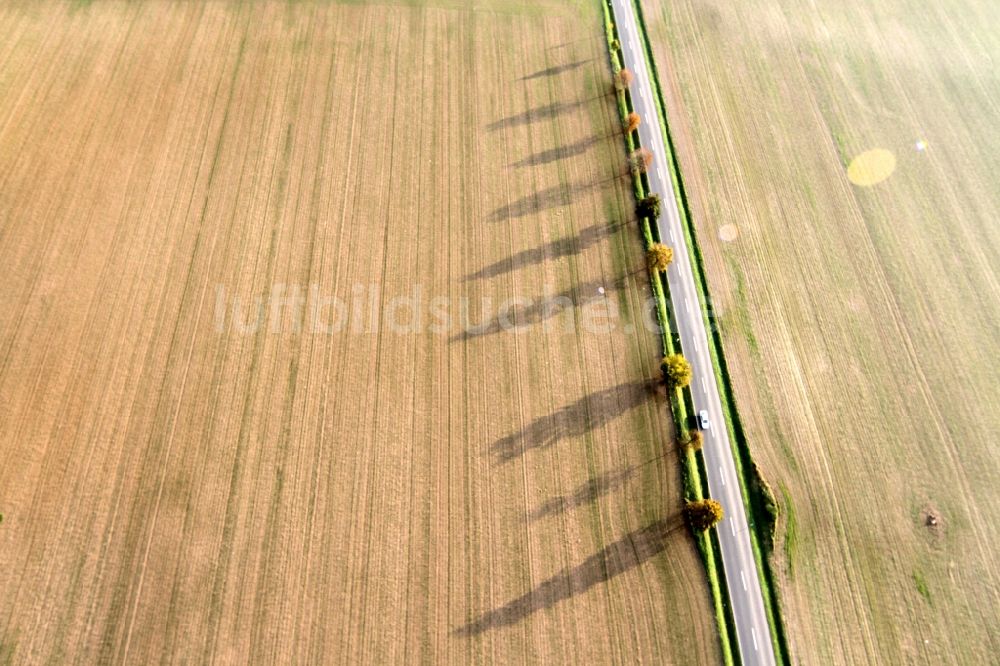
{"x":648,"y":206}
{"x":694,"y":441}
{"x":658,"y":257}
{"x":703,"y":514}
{"x":640,"y":160}
{"x":632,"y":122}
{"x":677,"y":370}
{"x":623,"y":79}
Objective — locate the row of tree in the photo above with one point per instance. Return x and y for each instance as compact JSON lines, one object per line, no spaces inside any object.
{"x":702,"y":514}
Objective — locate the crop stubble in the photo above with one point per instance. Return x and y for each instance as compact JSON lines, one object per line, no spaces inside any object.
{"x":172,"y":491}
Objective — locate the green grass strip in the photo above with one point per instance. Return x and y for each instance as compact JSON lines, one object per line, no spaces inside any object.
{"x":757,"y":494}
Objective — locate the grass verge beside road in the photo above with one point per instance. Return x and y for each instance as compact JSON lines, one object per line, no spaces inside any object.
{"x":757,"y":493}
{"x":693,"y":465}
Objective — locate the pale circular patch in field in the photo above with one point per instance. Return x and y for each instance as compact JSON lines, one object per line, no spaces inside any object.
{"x":871,"y":167}
{"x":728,"y":232}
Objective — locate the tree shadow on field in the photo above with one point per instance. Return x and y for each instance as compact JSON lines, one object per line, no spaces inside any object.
{"x":557,"y":249}
{"x":630,"y":551}
{"x":536,"y":202}
{"x":542,"y":200}
{"x":556,"y":70}
{"x":595,"y":488}
{"x":556,"y":154}
{"x":514,"y":315}
{"x":539,"y":113}
{"x":582,"y":40}
{"x":577,"y":419}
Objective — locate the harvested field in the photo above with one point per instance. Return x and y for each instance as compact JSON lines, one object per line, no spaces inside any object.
{"x":840,"y":161}
{"x":207,"y":458}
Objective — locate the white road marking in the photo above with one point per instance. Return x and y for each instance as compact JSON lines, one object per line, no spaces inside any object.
{"x":659,"y":175}
{"x":704,"y":384}
{"x":723,"y":476}
{"x":744,"y":579}
{"x":687,"y":305}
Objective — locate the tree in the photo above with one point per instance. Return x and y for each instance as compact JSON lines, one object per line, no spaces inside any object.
{"x":695,"y":441}
{"x":632,"y":122}
{"x":640,"y":160}
{"x":658,"y":257}
{"x":649,"y":206}
{"x":623,"y":79}
{"x":677,"y":371}
{"x":703,"y":514}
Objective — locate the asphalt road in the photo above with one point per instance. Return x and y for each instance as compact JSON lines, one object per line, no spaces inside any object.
{"x":737,"y":556}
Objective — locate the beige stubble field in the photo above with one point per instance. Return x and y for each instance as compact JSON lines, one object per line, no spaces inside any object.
{"x":859,"y":322}
{"x":176,"y":489}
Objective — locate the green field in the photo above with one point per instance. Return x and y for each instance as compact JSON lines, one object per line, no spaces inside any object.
{"x":860,"y":308}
